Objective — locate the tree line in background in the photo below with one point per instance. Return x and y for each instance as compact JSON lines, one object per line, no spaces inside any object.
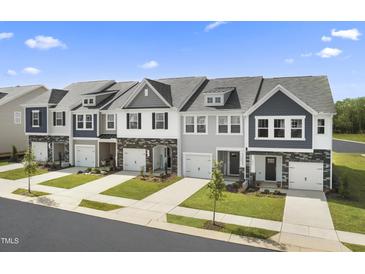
{"x":350,"y":117}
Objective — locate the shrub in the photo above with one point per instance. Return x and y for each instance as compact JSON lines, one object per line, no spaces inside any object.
{"x":14,"y":154}
{"x":141,"y":172}
{"x":95,"y":170}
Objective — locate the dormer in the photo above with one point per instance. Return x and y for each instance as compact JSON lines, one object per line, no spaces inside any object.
{"x":89,"y":101}
{"x":217,"y":96}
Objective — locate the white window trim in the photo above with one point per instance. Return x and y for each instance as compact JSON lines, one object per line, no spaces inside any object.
{"x":84,"y":122}
{"x":107,"y":122}
{"x":229,"y":125}
{"x":287,"y":122}
{"x":319,"y":126}
{"x":163,"y":120}
{"x":214,"y":96}
{"x":39,"y":121}
{"x":88,"y":101}
{"x":196,"y":125}
{"x":129,"y":122}
{"x":17,"y":118}
{"x":59,"y":119}
{"x":280,"y":128}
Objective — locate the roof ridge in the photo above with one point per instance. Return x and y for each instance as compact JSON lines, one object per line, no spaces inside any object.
{"x":298,"y":76}
{"x":24,"y":86}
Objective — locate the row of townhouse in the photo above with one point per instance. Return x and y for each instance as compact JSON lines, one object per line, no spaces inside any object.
{"x":279,"y":129}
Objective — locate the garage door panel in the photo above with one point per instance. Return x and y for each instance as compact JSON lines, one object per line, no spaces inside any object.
{"x":85,"y":156}
{"x":40,"y":151}
{"x":198,"y":166}
{"x":134,"y":159}
{"x":306,"y":175}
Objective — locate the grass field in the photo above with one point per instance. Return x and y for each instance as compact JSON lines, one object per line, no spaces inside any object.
{"x":19,"y":173}
{"x":351,"y":137}
{"x":98,"y":205}
{"x":24,"y":192}
{"x":71,"y":181}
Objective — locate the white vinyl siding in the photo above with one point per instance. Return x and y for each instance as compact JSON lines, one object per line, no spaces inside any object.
{"x":110,"y":122}
{"x":17,"y":118}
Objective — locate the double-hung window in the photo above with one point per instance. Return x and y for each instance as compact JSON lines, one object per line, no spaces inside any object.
{"x":189,"y":124}
{"x":235,"y":124}
{"x":201,"y":124}
{"x":159,"y":120}
{"x":35,"y":118}
{"x":222,"y":124}
{"x":296,"y":128}
{"x":84,"y":122}
{"x":263,"y":128}
{"x":133,"y":120}
{"x":17,"y":117}
{"x":80,"y":121}
{"x":210,"y":100}
{"x":279,"y":128}
{"x":110,"y":121}
{"x":58,"y":118}
{"x":217,"y":100}
{"x":88,"y":121}
{"x":320,"y":126}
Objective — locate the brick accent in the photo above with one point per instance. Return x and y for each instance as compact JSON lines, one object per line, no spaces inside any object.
{"x":149,"y":144}
{"x":317,"y":156}
{"x":50,"y":140}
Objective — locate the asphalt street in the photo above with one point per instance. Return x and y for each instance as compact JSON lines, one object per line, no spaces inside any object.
{"x":349,"y":147}
{"x":29,"y":227}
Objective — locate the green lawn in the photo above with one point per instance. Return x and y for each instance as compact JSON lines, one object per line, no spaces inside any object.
{"x":24,"y":192}
{"x":71,"y":181}
{"x":138,"y":189}
{"x":19,"y":173}
{"x":349,"y":214}
{"x":4,"y":162}
{"x":355,"y":248}
{"x":99,"y":205}
{"x":351,"y":137}
{"x":250,"y":205}
{"x":227,"y":228}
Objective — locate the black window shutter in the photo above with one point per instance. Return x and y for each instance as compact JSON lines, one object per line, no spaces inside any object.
{"x":63,"y":118}
{"x":40,"y":118}
{"x":54,"y":118}
{"x":139,"y":121}
{"x":127,"y":120}
{"x":153,"y":120}
{"x":166,"y":120}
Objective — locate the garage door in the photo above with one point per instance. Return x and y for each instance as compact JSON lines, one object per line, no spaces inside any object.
{"x":197,"y":165}
{"x":303,"y":175}
{"x":40,"y":151}
{"x":85,"y":156}
{"x":134,"y":159}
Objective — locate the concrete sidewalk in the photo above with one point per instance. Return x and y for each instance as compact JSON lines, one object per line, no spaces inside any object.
{"x":10,"y":167}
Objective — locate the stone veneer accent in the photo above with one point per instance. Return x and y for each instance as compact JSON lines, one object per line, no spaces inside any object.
{"x":149,"y":144}
{"x":317,"y":156}
{"x":50,"y":140}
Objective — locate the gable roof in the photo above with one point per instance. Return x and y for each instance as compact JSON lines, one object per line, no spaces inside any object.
{"x":11,"y":93}
{"x":163,"y":89}
{"x":219,"y":90}
{"x":242,"y":96}
{"x":56,"y":96}
{"x":314,"y":91}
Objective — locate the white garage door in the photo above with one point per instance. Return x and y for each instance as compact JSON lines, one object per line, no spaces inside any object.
{"x":197,"y":165}
{"x":40,"y":151}
{"x":308,"y":176}
{"x":134,"y":159}
{"x":85,"y":156}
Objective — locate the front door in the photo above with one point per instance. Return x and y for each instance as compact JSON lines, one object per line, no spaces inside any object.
{"x":270,"y":169}
{"x":234,"y":162}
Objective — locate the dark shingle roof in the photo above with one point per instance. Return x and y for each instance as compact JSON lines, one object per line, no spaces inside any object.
{"x":163,"y":89}
{"x":2,"y":94}
{"x":315,"y":91}
{"x":56,"y":95}
{"x":220,"y":90}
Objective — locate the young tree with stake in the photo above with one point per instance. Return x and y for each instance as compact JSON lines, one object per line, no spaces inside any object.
{"x":30,"y":165}
{"x":216,"y":186}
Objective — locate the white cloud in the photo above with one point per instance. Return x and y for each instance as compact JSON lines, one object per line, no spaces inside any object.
{"x":307,"y":54}
{"x":352,"y":34}
{"x":150,"y":64}
{"x":214,"y":25}
{"x":6,"y":35}
{"x":31,"y":70}
{"x":325,"y":38}
{"x":329,"y":52}
{"x":289,"y":60}
{"x":44,"y":43}
{"x":11,"y":72}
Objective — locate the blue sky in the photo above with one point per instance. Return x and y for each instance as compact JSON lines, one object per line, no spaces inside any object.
{"x":59,"y":53}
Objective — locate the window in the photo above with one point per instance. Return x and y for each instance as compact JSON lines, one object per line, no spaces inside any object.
{"x":146,"y":92}
{"x":263,"y":128}
{"x":210,"y":100}
{"x":223,"y":124}
{"x":17,"y":117}
{"x":133,"y":120}
{"x":35,"y":118}
{"x":189,"y":124}
{"x":91,"y":101}
{"x":110,"y":121}
{"x":80,"y":121}
{"x":58,"y":119}
{"x":201,"y":124}
{"x":159,"y":120}
{"x":86,"y":101}
{"x":217,"y":100}
{"x":279,"y":128}
{"x":296,"y":128}
{"x":320,"y":126}
{"x":235,"y":124}
{"x":88,"y":121}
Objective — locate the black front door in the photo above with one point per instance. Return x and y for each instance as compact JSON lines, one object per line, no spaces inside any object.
{"x":270,"y":169}
{"x":234,"y":163}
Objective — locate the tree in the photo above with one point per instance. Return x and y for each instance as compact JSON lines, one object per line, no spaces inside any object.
{"x":30,"y":165}
{"x":216,"y":186}
{"x":14,"y":154}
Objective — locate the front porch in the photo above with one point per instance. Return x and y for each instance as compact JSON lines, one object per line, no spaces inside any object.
{"x":107,"y":153}
{"x":232,"y":164}
{"x":162,"y":156}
